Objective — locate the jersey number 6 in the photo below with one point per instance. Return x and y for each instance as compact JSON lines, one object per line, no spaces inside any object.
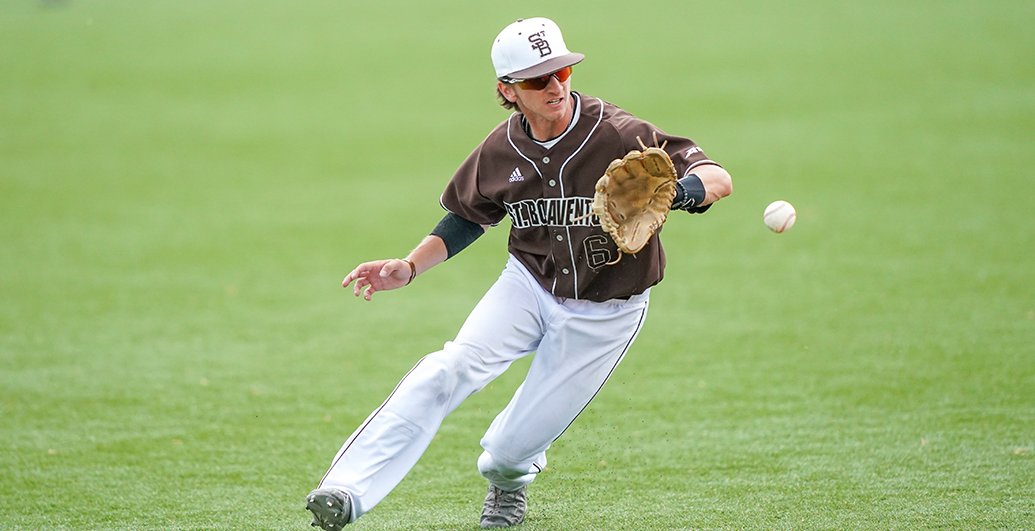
{"x":598,"y":250}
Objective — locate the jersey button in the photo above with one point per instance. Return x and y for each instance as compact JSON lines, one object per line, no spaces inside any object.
{"x":546,"y":160}
{"x":565,"y":271}
{"x":560,"y":238}
{"x":552,"y":182}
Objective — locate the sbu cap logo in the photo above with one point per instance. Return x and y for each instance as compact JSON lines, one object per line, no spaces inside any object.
{"x":540,"y":44}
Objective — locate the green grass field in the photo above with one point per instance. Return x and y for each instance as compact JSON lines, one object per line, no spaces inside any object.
{"x":184,"y":184}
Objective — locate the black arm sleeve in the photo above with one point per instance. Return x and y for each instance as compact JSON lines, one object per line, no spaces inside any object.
{"x":689,"y":193}
{"x":457,"y":233}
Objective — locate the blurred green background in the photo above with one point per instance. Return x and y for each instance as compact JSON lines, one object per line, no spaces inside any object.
{"x":183,"y":185}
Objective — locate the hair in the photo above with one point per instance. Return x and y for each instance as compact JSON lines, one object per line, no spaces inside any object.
{"x":506,"y":104}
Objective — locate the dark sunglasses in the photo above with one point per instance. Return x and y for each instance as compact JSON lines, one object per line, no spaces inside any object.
{"x":539,"y":83}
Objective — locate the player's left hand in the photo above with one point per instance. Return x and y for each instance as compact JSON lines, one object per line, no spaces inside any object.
{"x":379,"y":275}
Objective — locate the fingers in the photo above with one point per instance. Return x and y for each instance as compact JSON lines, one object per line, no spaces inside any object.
{"x":359,"y":273}
{"x":363,"y":285}
{"x":364,"y":288}
{"x":359,"y":276}
{"x":370,"y":277}
{"x":360,"y":284}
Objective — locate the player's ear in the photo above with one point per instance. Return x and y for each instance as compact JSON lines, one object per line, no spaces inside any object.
{"x":508,"y":91}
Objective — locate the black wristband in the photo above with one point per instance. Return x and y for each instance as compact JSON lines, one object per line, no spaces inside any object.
{"x":457,"y":233}
{"x":689,"y":193}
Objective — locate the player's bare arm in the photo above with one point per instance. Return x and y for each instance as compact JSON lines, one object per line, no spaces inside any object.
{"x":717,"y":182}
{"x":394,"y":273}
{"x":452,"y":235}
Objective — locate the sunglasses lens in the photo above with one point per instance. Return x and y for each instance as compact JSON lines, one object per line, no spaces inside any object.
{"x":540,"y":83}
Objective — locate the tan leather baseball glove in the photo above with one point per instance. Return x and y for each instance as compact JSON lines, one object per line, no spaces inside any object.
{"x":634,"y":196}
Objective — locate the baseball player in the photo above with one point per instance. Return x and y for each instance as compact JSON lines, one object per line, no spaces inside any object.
{"x":561,"y":295}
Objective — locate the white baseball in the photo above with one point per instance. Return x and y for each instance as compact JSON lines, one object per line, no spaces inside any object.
{"x":779,"y":216}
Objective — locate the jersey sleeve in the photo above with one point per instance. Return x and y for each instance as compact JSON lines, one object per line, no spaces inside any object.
{"x":463,"y":195}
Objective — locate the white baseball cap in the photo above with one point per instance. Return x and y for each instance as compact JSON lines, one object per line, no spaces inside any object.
{"x":531,"y":48}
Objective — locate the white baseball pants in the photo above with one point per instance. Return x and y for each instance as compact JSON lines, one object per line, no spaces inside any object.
{"x":577,"y":343}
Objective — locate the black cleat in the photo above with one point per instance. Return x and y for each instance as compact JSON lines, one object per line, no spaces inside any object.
{"x":331,"y":508}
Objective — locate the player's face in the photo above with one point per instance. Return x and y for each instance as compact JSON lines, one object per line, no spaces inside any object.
{"x":550,"y":105}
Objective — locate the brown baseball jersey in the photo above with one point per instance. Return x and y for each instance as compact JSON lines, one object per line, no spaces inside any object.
{"x":547,"y":193}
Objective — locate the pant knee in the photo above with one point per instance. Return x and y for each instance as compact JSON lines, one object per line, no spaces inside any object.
{"x":432,"y":381}
{"x":446,"y":375}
